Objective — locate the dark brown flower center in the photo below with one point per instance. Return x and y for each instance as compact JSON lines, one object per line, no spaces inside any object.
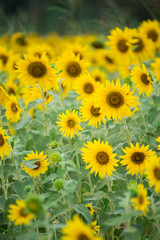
{"x":11,"y":91}
{"x":122,"y":46}
{"x":140,"y":199}
{"x":97,"y":44}
{"x":138,"y":157}
{"x":37,"y":69}
{"x":115,"y":99}
{"x":14,"y":107}
{"x":109,"y":60}
{"x":4,"y":58}
{"x":138,"y":46}
{"x":157,"y":173}
{"x":153,"y":35}
{"x":1,"y":140}
{"x":21,"y":41}
{"x":102,"y":157}
{"x":144,"y":79}
{"x":70,"y":123}
{"x":73,"y":69}
{"x":23,"y":212}
{"x":97,"y":79}
{"x":95,"y":111}
{"x":88,"y":88}
{"x":15,"y":65}
{"x":82,"y":236}
{"x":37,"y":164}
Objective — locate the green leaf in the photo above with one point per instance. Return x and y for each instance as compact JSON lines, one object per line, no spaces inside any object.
{"x":82,"y":209}
{"x":156,"y":99}
{"x":51,"y":177}
{"x":18,"y":187}
{"x":70,"y":186}
{"x":153,"y":114}
{"x":41,"y":142}
{"x":31,"y":163}
{"x":96,"y":196}
{"x":34,"y":104}
{"x":115,"y":221}
{"x":23,"y":123}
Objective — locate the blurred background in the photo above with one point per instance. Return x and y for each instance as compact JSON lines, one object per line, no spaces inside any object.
{"x":74,"y":16}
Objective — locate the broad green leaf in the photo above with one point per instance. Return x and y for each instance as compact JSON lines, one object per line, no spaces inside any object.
{"x":34,"y":104}
{"x":82,"y":209}
{"x":23,"y":123}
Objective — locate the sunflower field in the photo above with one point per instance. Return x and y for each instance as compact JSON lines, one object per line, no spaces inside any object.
{"x":80,"y":135}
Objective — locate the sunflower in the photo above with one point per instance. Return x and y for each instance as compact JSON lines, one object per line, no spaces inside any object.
{"x":124,"y":68}
{"x":39,"y":164}
{"x":11,"y":64}
{"x":69,"y":123}
{"x":151,"y":29}
{"x":141,"y":79}
{"x":141,"y":202}
{"x":153,"y":173}
{"x":40,"y":49}
{"x":100,"y":157}
{"x":71,"y":66}
{"x":13,"y":110}
{"x":65,"y":88}
{"x":142,"y":47}
{"x":136,"y":158}
{"x":31,"y":94}
{"x":99,"y":76}
{"x":19,"y":214}
{"x":78,"y":49}
{"x":11,"y":88}
{"x":90,"y":208}
{"x":156,"y":68}
{"x":118,"y":42}
{"x":77,"y":230}
{"x":4,"y":57}
{"x":4,"y":146}
{"x":107,"y":60}
{"x":19,"y":42}
{"x":4,"y":97}
{"x":85,"y":86}
{"x":115,"y":100}
{"x":95,"y":228}
{"x":91,"y":113}
{"x":158,"y":140}
{"x":35,"y":70}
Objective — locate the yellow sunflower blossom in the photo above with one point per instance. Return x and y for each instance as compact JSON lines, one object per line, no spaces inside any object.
{"x":13,"y":110}
{"x":99,"y":157}
{"x":4,"y":145}
{"x":69,"y":123}
{"x":136,"y":158}
{"x":141,"y":202}
{"x":95,"y":228}
{"x":90,"y":208}
{"x":19,"y":214}
{"x":39,"y":164}
{"x":158,"y":140}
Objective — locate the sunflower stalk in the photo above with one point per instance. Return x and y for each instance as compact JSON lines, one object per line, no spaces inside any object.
{"x":44,"y":111}
{"x":126,"y":129}
{"x":80,"y":174}
{"x":18,"y":176}
{"x":60,"y":93}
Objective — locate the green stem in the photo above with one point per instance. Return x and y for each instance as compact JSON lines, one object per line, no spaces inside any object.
{"x":110,"y":183}
{"x":80,"y":174}
{"x":126,"y":129}
{"x":44,"y":110}
{"x":18,"y":176}
{"x":60,"y":93}
{"x":90,"y":183}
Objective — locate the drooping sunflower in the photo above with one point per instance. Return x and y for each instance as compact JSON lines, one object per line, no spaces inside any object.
{"x":13,"y":110}
{"x":71,"y":66}
{"x":118,"y":42}
{"x":90,"y":208}
{"x":99,"y":157}
{"x":136,"y":158}
{"x":99,"y":76}
{"x":115,"y":100}
{"x":91,"y":113}
{"x":4,"y":57}
{"x":11,"y":64}
{"x":140,"y":77}
{"x":158,"y":140}
{"x":85,"y":86}
{"x":153,"y":173}
{"x":141,"y":202}
{"x":156,"y":68}
{"x":151,"y":29}
{"x":77,"y":230}
{"x":34,"y":70}
{"x":142,"y":47}
{"x":19,"y":214}
{"x":4,"y":146}
{"x":39,"y":164}
{"x":69,"y":123}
